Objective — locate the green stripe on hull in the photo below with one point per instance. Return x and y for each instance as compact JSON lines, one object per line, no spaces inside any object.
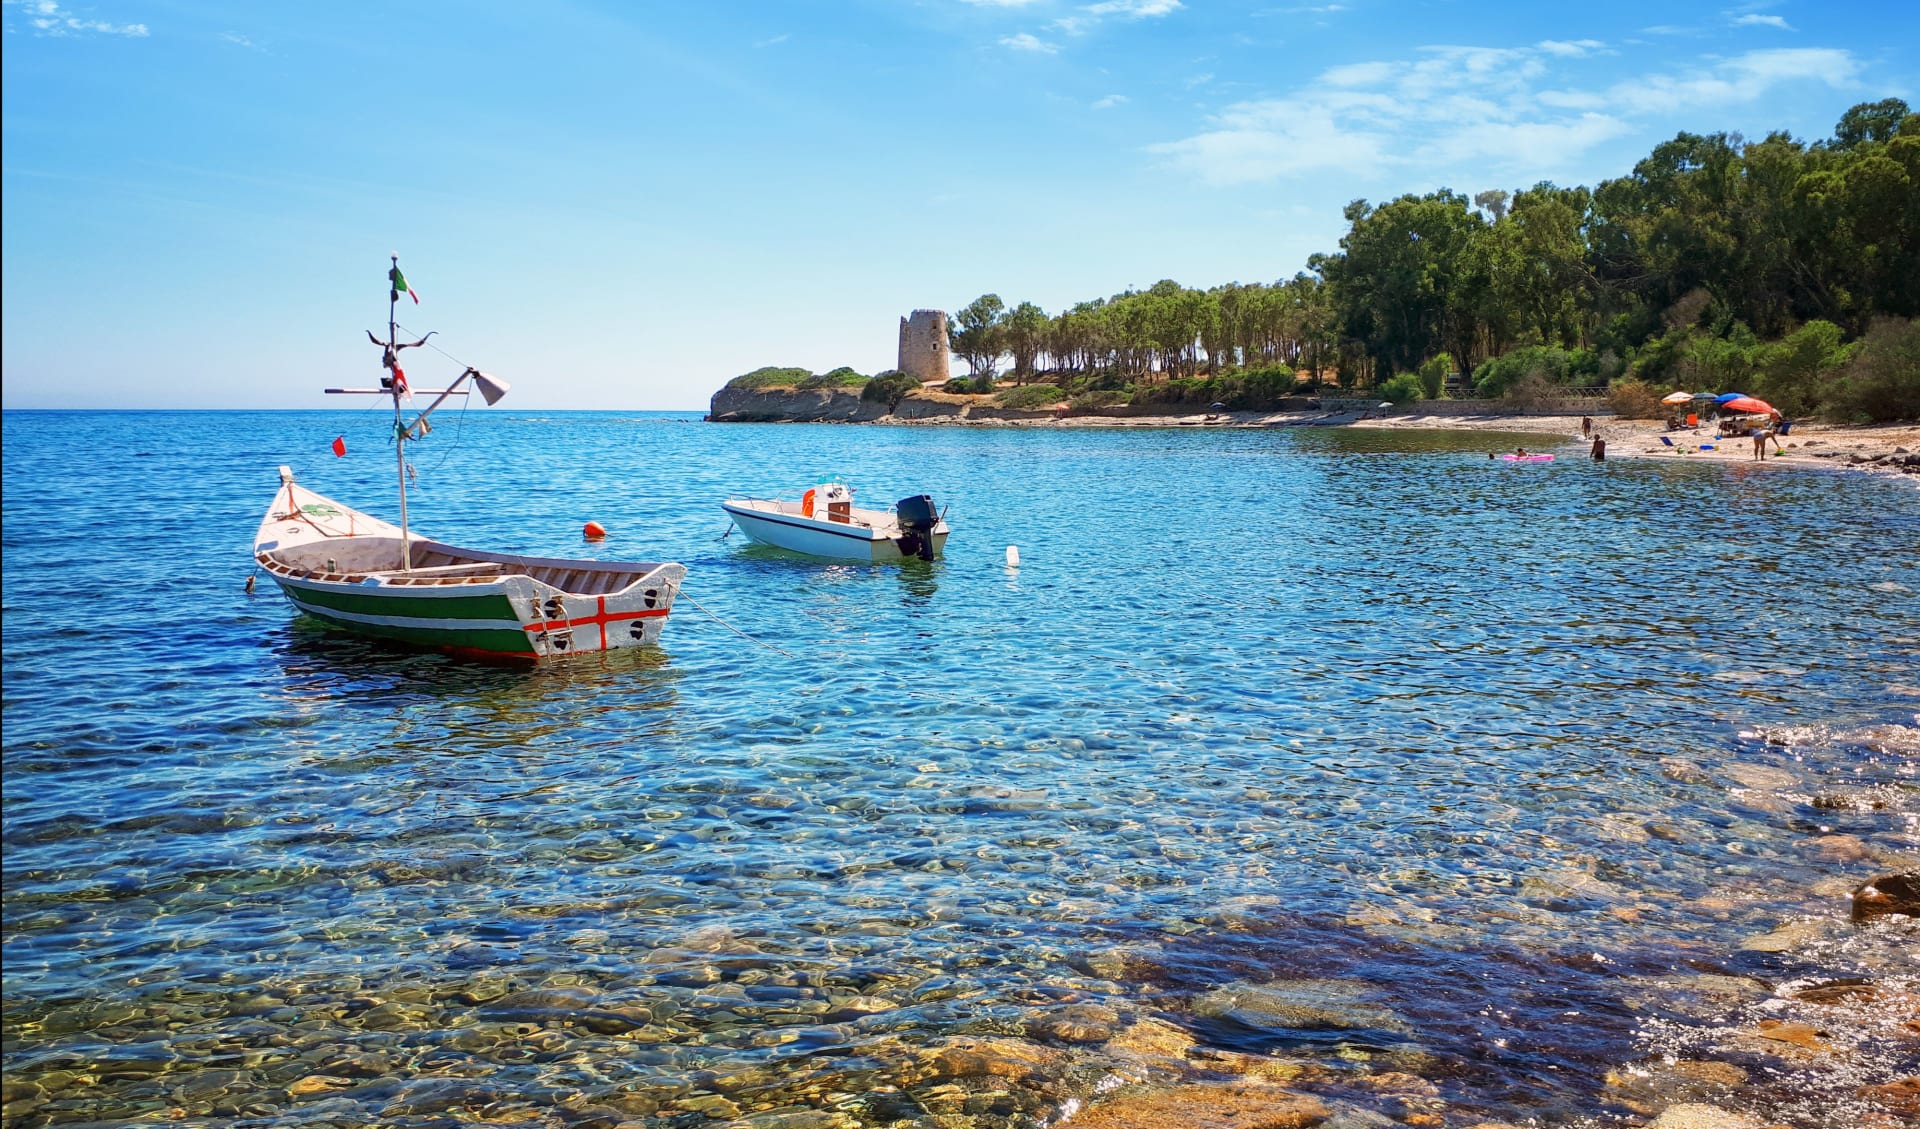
{"x":493,"y":607}
{"x":496,"y":641}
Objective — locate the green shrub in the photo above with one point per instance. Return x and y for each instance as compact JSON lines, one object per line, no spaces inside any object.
{"x":1496,"y":377}
{"x":1533,"y":390}
{"x":1098,"y":380}
{"x":1720,"y":364}
{"x":1189,"y":390}
{"x":1635,"y":399}
{"x":1246,"y":390}
{"x":769,"y":377}
{"x":1657,"y":361}
{"x":889,"y":388}
{"x":1433,"y":376}
{"x":1402,"y":389}
{"x":1262,"y":389}
{"x":965,"y":386}
{"x":1793,"y":373}
{"x":842,"y":377}
{"x":1882,"y":381}
{"x":1029,"y":396}
{"x":1101,"y":398}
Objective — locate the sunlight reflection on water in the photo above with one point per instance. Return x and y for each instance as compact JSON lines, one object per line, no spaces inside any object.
{"x":1348,"y":707}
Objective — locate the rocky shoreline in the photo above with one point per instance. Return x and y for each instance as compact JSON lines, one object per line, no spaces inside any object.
{"x":1879,"y":448}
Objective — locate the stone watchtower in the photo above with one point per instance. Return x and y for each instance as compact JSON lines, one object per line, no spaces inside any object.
{"x":923,"y":346}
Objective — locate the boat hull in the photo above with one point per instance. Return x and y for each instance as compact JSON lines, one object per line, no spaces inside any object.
{"x":850,"y":540}
{"x":342,"y":568}
{"x":515,"y":618}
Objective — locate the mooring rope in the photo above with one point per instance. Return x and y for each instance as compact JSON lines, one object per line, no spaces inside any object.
{"x":735,"y":630}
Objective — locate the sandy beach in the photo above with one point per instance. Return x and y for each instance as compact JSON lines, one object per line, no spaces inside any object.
{"x":1875,"y":448}
{"x":1808,"y":443}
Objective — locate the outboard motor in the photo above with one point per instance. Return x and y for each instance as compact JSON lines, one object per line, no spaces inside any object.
{"x":917,"y":518}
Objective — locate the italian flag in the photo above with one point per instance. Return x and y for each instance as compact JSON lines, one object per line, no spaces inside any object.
{"x":400,"y":285}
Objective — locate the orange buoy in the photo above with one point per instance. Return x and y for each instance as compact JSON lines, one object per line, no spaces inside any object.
{"x":595,"y":531}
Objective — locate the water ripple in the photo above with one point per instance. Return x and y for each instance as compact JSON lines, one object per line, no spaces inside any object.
{"x":1461,"y":748}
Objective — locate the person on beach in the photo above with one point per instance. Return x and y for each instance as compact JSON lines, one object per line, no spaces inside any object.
{"x":1760,"y":443}
{"x":1586,"y":427}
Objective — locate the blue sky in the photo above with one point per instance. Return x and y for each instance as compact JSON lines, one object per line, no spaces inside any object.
{"x":623,"y":205}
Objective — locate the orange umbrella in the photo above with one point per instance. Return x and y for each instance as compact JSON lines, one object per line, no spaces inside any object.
{"x":1747,"y":405}
{"x":1677,"y":398}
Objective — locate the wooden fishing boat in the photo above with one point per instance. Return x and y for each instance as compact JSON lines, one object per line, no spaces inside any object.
{"x":356,"y":572}
{"x":826,"y":523}
{"x":353,"y":571}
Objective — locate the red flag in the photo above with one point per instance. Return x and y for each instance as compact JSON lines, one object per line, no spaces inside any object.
{"x":340,"y":446}
{"x":400,"y":384}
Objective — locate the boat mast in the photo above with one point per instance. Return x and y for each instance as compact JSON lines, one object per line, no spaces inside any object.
{"x":399,"y":423}
{"x":394,"y":384}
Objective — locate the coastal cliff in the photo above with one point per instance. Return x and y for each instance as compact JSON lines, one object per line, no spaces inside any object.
{"x":844,"y":405}
{"x":793,"y":405}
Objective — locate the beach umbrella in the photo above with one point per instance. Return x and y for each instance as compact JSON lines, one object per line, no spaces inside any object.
{"x":1216,"y":406}
{"x":1724,"y":397}
{"x":1677,"y":398}
{"x":1748,"y":405}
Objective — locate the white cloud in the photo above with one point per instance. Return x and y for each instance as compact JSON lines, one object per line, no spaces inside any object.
{"x":1740,"y":79}
{"x":1110,"y":101}
{"x":773,"y":42}
{"x":1569,"y":48}
{"x":1545,"y":144}
{"x":1260,"y":141}
{"x":1092,"y":14}
{"x":1133,"y":9}
{"x":1001,"y":3}
{"x":1489,"y":110}
{"x":1753,"y":20}
{"x":48,"y":19}
{"x":1025,"y":42}
{"x":1571,"y":99}
{"x":239,"y":40}
{"x":1359,"y":74}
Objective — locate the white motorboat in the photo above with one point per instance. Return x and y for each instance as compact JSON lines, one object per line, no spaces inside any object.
{"x":826,"y":523}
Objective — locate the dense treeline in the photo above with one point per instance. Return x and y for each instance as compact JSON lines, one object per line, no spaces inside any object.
{"x":1787,"y":269}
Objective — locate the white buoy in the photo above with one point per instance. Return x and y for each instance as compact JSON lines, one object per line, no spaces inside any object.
{"x":1013,"y":556}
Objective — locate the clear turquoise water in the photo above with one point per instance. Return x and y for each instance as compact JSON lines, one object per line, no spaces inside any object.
{"x":1319,"y":704}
